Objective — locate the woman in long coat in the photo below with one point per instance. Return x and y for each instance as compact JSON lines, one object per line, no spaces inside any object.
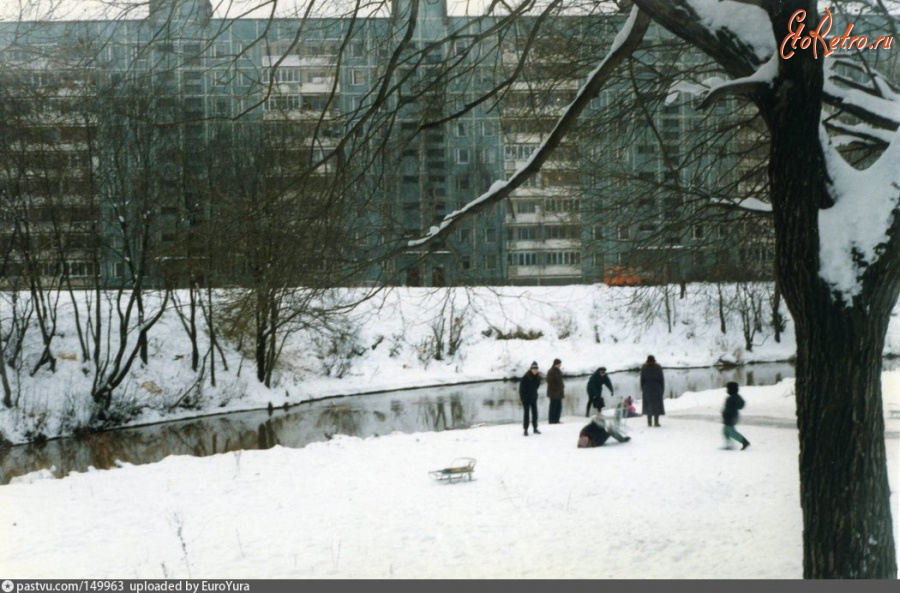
{"x":653,"y":386}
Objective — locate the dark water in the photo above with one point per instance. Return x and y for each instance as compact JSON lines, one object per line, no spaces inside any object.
{"x":417,"y":410}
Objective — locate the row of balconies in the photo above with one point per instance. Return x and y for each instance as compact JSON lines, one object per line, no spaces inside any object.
{"x":544,"y":244}
{"x":544,"y":271}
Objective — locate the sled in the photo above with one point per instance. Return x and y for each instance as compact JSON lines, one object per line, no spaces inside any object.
{"x":460,"y":468}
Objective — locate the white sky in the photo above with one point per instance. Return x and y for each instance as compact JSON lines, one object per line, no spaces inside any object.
{"x":87,"y":9}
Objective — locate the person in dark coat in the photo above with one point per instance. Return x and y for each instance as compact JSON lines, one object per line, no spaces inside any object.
{"x":653,"y":386}
{"x":730,"y":415}
{"x":555,"y":391}
{"x":598,"y":432}
{"x":595,"y":390}
{"x":528,"y":393}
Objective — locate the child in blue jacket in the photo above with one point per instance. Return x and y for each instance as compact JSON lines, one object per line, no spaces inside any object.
{"x":730,"y":415}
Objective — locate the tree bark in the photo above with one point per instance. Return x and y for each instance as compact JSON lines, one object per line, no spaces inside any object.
{"x":844,"y":491}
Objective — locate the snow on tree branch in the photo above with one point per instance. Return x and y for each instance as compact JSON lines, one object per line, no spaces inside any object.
{"x":849,"y":134}
{"x":624,"y":44}
{"x":763,"y":78}
{"x":857,"y":230}
{"x":738,"y":35}
{"x":882,"y":111}
{"x":713,"y":89}
{"x":747,"y":204}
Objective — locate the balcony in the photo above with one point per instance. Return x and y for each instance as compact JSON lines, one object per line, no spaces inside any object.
{"x":320,"y":85}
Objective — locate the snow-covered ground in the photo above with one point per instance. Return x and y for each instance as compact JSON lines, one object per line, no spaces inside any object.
{"x":393,"y":341}
{"x":671,"y":503}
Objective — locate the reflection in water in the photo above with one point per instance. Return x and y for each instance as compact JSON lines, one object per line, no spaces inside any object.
{"x":433,"y":409}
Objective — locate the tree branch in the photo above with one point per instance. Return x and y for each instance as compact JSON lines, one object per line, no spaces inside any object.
{"x":625,"y":43}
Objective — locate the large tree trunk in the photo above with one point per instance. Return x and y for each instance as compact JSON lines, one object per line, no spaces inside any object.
{"x":844,"y":492}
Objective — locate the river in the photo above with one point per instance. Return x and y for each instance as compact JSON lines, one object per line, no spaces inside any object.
{"x":413,"y":410}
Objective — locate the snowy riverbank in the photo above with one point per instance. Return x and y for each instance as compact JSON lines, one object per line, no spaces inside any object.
{"x":671,"y":503}
{"x":406,"y":338}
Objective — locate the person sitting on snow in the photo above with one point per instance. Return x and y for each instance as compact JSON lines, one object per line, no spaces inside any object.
{"x":598,"y":432}
{"x":629,"y":411}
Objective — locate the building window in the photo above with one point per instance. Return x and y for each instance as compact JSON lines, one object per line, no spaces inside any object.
{"x":523,"y":258}
{"x":490,"y":262}
{"x":463,"y":183}
{"x":78,"y":269}
{"x":223,"y":107}
{"x":623,"y":232}
{"x":697,"y":231}
{"x":488,"y":128}
{"x":562,"y":258}
{"x":193,"y":82}
{"x":560,"y":205}
{"x":488,"y":156}
{"x":526,"y":206}
{"x":357,"y":77}
{"x":287,"y":75}
{"x":460,"y":130}
{"x":534,"y":180}
{"x":519,"y":152}
{"x":282,"y":103}
{"x":357,"y":49}
{"x":560,"y":232}
{"x":490,"y":235}
{"x":567,"y":178}
{"x":462,"y":156}
{"x":758,"y":254}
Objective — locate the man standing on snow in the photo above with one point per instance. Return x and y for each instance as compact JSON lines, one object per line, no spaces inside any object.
{"x":555,"y":391}
{"x":595,"y":390}
{"x":528,"y":393}
{"x":730,"y":414}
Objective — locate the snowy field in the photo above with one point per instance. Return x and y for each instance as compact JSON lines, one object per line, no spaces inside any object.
{"x":671,"y":503}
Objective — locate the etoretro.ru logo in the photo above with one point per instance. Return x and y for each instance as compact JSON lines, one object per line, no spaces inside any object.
{"x":816,"y":39}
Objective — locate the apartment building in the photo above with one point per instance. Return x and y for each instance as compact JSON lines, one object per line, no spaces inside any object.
{"x":179,"y":147}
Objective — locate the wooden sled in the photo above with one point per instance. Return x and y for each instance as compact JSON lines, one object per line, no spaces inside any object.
{"x":460,"y":468}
